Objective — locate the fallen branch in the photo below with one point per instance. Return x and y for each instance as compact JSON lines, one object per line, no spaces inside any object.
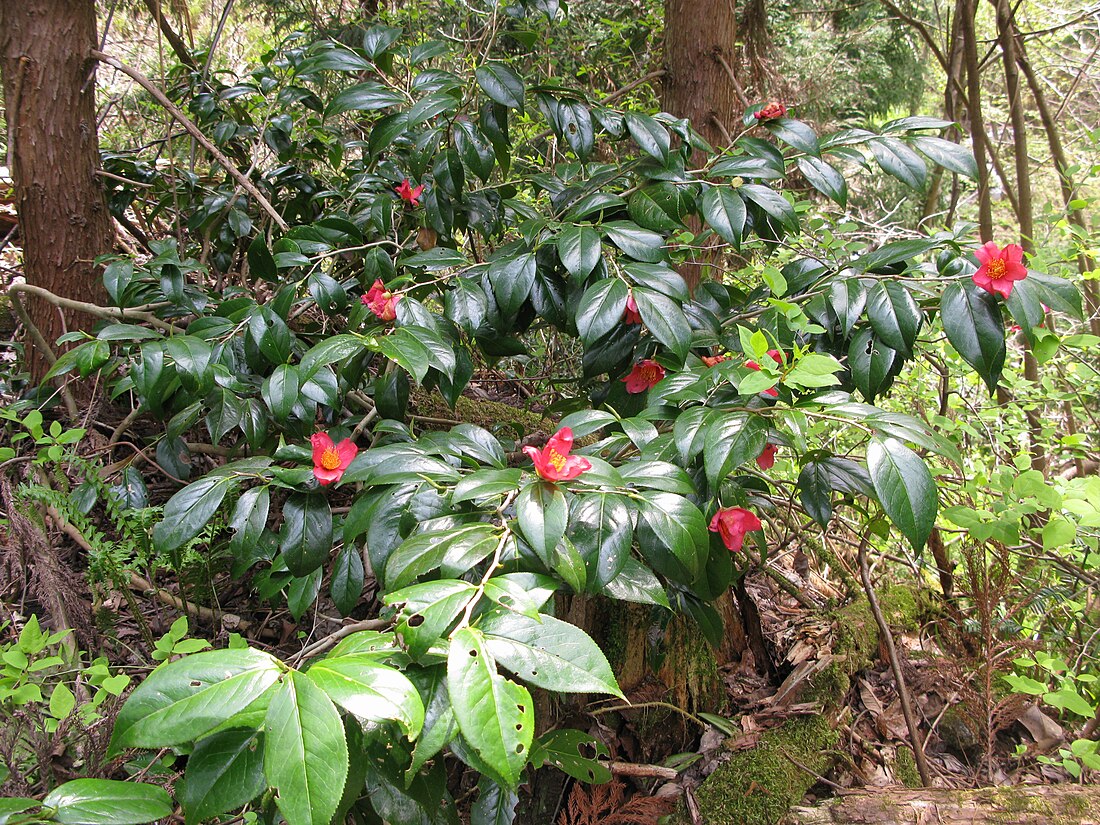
{"x":111,"y":313}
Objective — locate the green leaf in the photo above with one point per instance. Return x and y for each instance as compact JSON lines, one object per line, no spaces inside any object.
{"x":660,"y":207}
{"x":1069,"y":699}
{"x":639,"y":244}
{"x":423,"y":552}
{"x":601,"y":309}
{"x":550,"y":653}
{"x":601,"y":530}
{"x":651,"y":137}
{"x":281,"y":391}
{"x":11,"y":805}
{"x":182,"y":700}
{"x":305,"y":752}
{"x":670,"y":524}
{"x":564,"y":749}
{"x":657,"y":475}
{"x":347,"y":579}
{"x":495,"y":805}
{"x":364,"y":97}
{"x":953,"y":157}
{"x":894,"y":315}
{"x":900,"y":161}
{"x":725,"y":211}
{"x":224,"y":771}
{"x":501,"y":84}
{"x":731,"y":440}
{"x":579,"y":249}
{"x":306,"y":537}
{"x":542,"y":513}
{"x":1057,"y":293}
{"x":187,"y":512}
{"x":905,"y":488}
{"x":370,"y":691}
{"x":972,"y":320}
{"x":107,"y":802}
{"x":335,"y":349}
{"x":771,"y":202}
{"x":495,"y":715}
{"x":794,"y":133}
{"x":512,"y":277}
{"x":847,"y":298}
{"x":117,"y":276}
{"x":665,"y":319}
{"x":426,"y":611}
{"x":487,"y":482}
{"x":824,"y":177}
{"x":872,"y":364}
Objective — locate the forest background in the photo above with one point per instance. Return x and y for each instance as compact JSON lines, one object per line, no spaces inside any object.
{"x":454,"y":411}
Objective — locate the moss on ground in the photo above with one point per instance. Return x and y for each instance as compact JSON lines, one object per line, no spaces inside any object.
{"x":491,"y":415}
{"x":757,"y":786}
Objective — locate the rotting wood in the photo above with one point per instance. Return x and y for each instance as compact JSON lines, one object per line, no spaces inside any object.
{"x":1012,"y":805}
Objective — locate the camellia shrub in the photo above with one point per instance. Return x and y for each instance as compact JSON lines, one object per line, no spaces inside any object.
{"x":436,"y":221}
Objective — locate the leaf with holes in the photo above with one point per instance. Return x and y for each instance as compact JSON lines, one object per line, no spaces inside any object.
{"x":496,"y":716}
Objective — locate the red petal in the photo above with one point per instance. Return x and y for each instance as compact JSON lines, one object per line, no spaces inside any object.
{"x":320,"y":442}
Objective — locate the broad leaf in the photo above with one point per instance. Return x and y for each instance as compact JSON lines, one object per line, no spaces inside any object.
{"x":905,"y":488}
{"x":972,"y":320}
{"x":107,"y":802}
{"x":224,"y":772}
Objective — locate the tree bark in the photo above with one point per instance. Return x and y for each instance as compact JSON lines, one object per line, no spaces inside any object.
{"x":699,"y":83}
{"x":49,"y":91}
{"x":1017,"y":805}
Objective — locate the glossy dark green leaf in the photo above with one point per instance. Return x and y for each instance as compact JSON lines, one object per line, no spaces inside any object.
{"x":847,"y":298}
{"x":725,"y":212}
{"x":224,"y":772}
{"x":575,"y":124}
{"x":972,"y":320}
{"x":601,"y":530}
{"x":794,"y":133}
{"x":512,"y":277}
{"x":670,"y":524}
{"x":565,"y":749}
{"x":872,"y":364}
{"x":542,"y":513}
{"x":824,"y":177}
{"x":501,"y":84}
{"x":579,"y":249}
{"x":900,"y":161}
{"x":426,"y":611}
{"x":188,"y":511}
{"x":651,"y":137}
{"x":423,"y":552}
{"x":905,"y":489}
{"x":771,"y":202}
{"x":280,"y":391}
{"x":364,"y":97}
{"x":665,"y":319}
{"x":953,"y":157}
{"x":636,"y":583}
{"x":347,"y":579}
{"x":486,"y":482}
{"x":731,"y":439}
{"x":601,"y":309}
{"x":306,"y":537}
{"x":403,"y":348}
{"x":466,"y":304}
{"x":894,"y":315}
{"x":640,"y":244}
{"x":660,"y":206}
{"x":495,"y":804}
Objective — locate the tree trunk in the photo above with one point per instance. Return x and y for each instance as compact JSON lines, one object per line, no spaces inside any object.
{"x":699,"y":81}
{"x":1016,"y":805}
{"x":49,"y":90}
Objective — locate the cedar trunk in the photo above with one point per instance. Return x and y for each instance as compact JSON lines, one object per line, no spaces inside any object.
{"x":698,"y":82}
{"x":53,"y":152}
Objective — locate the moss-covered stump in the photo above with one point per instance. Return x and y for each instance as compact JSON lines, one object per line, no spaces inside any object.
{"x":491,"y":415}
{"x":1017,"y":805}
{"x":758,"y":785}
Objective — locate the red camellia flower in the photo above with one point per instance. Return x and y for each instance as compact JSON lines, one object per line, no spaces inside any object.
{"x":999,"y":268}
{"x":776,"y":356}
{"x":381,"y":301}
{"x":408,"y":193}
{"x":645,"y":374}
{"x":630,"y":310}
{"x":330,"y":460}
{"x":766,"y":459}
{"x":553,"y":461}
{"x":711,"y":360}
{"x":771,"y":111}
{"x":732,"y":523}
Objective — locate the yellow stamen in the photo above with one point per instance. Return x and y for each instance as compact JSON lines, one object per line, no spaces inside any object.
{"x":330,"y":460}
{"x":996,"y":269}
{"x":557,"y":460}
